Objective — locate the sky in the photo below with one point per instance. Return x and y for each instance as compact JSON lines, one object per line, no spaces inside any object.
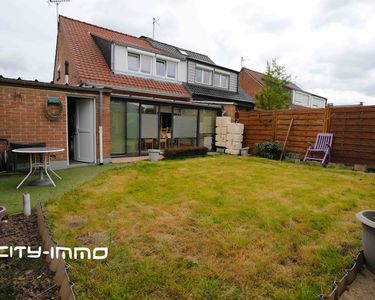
{"x":328,"y":46}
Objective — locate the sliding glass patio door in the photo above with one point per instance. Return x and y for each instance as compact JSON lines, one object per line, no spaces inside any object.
{"x":118,"y":108}
{"x":137,"y":127}
{"x":132,"y":128}
{"x":184,"y":127}
{"x":149,"y":127}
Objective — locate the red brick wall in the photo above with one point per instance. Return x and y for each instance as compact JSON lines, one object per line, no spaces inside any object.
{"x":230,"y":111}
{"x":62,"y":55}
{"x":249,"y":84}
{"x":22,"y":117}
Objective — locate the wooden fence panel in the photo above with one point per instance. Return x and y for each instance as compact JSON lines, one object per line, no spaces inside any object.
{"x":354,"y":134}
{"x":353,"y":129}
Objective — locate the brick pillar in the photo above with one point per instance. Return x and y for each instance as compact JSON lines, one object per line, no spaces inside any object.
{"x":230,"y":111}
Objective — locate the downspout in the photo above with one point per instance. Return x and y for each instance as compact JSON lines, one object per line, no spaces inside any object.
{"x":100,"y":127}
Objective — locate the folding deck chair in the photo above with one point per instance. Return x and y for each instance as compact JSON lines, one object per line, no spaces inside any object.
{"x":323,"y":145}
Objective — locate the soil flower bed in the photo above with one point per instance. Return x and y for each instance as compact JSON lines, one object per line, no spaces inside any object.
{"x":24,"y":278}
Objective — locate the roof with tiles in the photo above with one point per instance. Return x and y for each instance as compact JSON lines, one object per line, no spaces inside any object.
{"x":176,"y":51}
{"x":92,"y":67}
{"x":258,"y":76}
{"x":199,"y":90}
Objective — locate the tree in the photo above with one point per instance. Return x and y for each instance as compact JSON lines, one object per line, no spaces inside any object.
{"x":274,"y":94}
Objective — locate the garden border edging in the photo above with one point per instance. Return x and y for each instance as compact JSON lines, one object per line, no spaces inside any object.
{"x":58,"y":266}
{"x":339,"y":287}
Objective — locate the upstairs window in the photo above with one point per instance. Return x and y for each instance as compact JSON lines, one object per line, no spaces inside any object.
{"x":160,"y":67}
{"x":139,"y":63}
{"x":166,"y":68}
{"x":146,"y":64}
{"x":171,"y":69}
{"x":203,"y":76}
{"x":221,"y":80}
{"x":133,"y":62}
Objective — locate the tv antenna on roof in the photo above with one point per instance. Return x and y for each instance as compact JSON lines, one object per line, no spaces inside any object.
{"x":57,"y":3}
{"x":154,"y":21}
{"x":243,"y":60}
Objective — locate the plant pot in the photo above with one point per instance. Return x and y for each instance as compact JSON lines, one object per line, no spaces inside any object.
{"x":245,"y":151}
{"x":367,"y":218}
{"x":2,"y":212}
{"x":153,"y":154}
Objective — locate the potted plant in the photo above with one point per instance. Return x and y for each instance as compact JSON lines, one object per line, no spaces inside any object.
{"x":153,"y":154}
{"x":367,"y":218}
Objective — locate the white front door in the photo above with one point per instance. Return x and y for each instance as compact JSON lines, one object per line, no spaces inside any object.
{"x":84,"y":135}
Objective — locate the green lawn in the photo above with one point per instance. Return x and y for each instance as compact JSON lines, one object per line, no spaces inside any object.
{"x":73,"y":177}
{"x":215,"y":227}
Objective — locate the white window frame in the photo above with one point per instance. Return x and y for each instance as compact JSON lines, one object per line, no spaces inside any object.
{"x":130,"y":54}
{"x":202,"y":77}
{"x":140,"y":64}
{"x":141,"y":57}
{"x":221,"y":75}
{"x":156,"y":68}
{"x":167,"y":65}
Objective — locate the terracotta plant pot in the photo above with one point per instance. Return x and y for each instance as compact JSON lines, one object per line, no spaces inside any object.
{"x":2,"y":212}
{"x":367,"y":218}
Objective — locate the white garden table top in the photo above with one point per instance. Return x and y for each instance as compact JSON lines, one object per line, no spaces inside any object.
{"x":38,"y":150}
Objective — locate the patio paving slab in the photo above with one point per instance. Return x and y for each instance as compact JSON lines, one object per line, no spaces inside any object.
{"x":363,"y":287}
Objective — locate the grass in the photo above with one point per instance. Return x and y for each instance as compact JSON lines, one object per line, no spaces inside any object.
{"x":215,"y":227}
{"x":72,"y":177}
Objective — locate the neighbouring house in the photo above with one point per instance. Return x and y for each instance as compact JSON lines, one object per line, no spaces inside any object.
{"x":208,"y":82}
{"x":154,"y":88}
{"x":252,"y":82}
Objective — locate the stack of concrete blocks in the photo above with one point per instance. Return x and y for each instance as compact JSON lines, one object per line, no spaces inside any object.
{"x":234,"y":138}
{"x":221,"y":131}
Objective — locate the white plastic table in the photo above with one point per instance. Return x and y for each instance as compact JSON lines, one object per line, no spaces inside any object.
{"x":44,"y":165}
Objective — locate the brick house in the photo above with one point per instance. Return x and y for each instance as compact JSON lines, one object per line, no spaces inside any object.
{"x":153,"y":103}
{"x":121,"y":95}
{"x":252,"y":82}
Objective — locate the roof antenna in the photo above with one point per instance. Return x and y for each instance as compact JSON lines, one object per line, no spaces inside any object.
{"x":154,"y":21}
{"x":243,"y":60}
{"x":57,"y":3}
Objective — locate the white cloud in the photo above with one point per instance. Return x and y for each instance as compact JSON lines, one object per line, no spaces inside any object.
{"x":327,"y":45}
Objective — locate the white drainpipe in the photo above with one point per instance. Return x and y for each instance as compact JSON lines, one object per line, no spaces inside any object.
{"x":101,"y":128}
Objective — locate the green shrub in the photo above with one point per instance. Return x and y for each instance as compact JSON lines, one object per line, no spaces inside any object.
{"x":174,"y":153}
{"x":271,"y":150}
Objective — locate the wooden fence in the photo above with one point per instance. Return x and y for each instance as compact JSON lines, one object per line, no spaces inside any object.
{"x":353,"y":129}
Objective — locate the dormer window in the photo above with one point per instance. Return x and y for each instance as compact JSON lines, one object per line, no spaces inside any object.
{"x":203,"y":76}
{"x":171,"y":69}
{"x":166,"y":68}
{"x":146,"y":64}
{"x":139,"y":63}
{"x":133,"y":62}
{"x":160,"y":67}
{"x":221,"y":80}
